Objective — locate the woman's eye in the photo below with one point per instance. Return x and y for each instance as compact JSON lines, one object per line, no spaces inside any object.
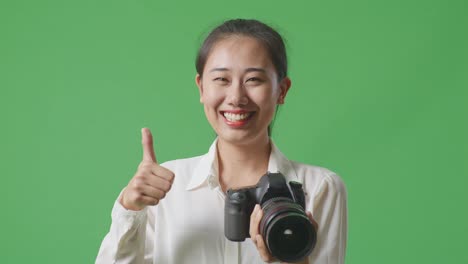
{"x":254,"y":79}
{"x":220,"y":79}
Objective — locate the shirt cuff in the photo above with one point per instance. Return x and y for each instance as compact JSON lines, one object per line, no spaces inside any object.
{"x":127,"y":217}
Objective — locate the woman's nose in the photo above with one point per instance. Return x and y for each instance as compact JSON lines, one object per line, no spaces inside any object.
{"x":237,"y":95}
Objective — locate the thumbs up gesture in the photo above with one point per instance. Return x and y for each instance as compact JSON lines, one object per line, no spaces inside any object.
{"x":150,"y":183}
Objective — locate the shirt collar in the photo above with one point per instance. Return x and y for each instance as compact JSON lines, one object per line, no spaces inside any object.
{"x":207,"y":168}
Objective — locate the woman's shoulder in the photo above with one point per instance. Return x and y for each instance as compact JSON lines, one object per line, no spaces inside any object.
{"x":316,"y":178}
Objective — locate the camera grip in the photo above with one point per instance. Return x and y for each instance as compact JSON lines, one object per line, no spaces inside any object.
{"x":236,"y":220}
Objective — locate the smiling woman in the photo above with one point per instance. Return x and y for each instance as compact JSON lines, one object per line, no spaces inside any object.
{"x":240,"y":89}
{"x":175,"y":212}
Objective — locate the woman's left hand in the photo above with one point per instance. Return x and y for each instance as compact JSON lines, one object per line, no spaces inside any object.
{"x":257,"y":238}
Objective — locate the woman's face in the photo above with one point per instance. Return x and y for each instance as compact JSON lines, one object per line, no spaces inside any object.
{"x":240,"y":90}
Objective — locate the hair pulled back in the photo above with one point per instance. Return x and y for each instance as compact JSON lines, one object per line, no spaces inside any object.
{"x":263,"y":33}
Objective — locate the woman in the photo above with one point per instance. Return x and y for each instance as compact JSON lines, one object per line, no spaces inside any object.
{"x":174,"y":212}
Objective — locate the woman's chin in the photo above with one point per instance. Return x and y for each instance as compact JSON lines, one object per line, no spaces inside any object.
{"x":239,"y":137}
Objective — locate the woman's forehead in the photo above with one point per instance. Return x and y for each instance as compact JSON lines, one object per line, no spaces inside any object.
{"x":238,"y":52}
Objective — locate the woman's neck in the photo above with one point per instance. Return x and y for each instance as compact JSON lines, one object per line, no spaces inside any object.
{"x":242,"y":165}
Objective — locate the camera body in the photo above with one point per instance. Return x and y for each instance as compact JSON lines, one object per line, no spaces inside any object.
{"x":239,"y":203}
{"x":285,"y":228}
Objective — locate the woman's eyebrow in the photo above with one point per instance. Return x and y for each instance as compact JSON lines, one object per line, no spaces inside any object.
{"x":219,"y":69}
{"x":255,"y":70}
{"x":252,"y":69}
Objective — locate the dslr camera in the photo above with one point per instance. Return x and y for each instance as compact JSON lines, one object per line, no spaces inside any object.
{"x":287,"y":231}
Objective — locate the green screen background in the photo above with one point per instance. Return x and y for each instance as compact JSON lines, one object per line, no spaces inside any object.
{"x":379,"y":95}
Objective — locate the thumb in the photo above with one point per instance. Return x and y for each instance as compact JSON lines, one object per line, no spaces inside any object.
{"x":147,"y":143}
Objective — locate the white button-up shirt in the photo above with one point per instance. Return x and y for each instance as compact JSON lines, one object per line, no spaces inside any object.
{"x":187,"y":226}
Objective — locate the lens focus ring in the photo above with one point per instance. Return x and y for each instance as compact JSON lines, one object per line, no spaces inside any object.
{"x":288,"y":232}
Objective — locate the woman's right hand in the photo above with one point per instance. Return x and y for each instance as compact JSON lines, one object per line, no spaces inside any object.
{"x":150,"y":183}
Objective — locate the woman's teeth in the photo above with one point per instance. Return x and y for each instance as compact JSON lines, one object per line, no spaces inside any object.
{"x":236,"y":117}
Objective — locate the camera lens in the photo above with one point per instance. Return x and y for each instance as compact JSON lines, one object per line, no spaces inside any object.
{"x":286,"y":229}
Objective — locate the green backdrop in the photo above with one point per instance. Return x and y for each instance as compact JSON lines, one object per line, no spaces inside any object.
{"x":379,"y":95}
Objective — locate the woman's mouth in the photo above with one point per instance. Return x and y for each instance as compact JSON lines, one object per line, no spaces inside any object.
{"x":236,"y":119}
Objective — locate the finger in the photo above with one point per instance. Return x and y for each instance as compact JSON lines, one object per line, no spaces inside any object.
{"x":258,"y":218}
{"x":253,"y":228}
{"x":162,"y":172}
{"x":312,"y":220}
{"x":262,"y":249}
{"x":147,"y":143}
{"x":152,"y":192}
{"x":144,"y":200}
{"x":139,"y":194}
{"x":159,"y":183}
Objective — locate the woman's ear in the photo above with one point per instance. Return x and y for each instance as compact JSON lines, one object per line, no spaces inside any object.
{"x":284,"y":86}
{"x":198,"y":81}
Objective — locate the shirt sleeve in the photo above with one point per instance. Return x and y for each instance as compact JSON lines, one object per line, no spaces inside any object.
{"x":329,"y":209}
{"x":130,"y":237}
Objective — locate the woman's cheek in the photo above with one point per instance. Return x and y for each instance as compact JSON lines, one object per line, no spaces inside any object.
{"x":213,"y":98}
{"x":265,"y":98}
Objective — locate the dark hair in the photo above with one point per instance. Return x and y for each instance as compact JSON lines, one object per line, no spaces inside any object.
{"x":266,"y":35}
{"x":263,"y":33}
